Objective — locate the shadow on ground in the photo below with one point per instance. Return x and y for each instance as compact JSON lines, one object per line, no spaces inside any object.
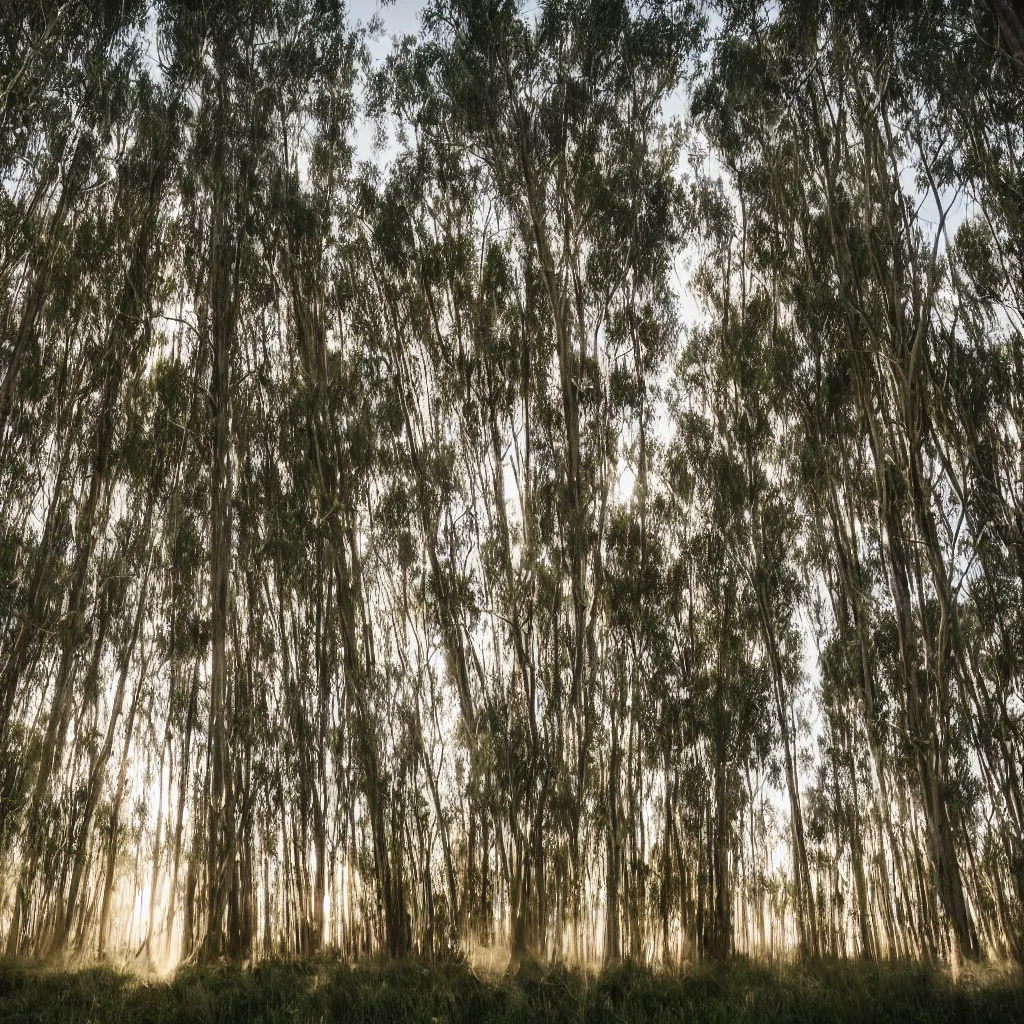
{"x":325,"y":990}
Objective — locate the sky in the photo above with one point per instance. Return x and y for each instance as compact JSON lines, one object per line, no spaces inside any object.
{"x":402,"y":17}
{"x":399,"y":18}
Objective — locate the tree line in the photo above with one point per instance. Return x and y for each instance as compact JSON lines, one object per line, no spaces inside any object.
{"x":595,"y":524}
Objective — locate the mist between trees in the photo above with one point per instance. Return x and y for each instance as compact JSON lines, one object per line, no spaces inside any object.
{"x":581,"y":529}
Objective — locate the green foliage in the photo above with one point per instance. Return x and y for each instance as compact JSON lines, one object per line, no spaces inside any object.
{"x":412,"y":991}
{"x":594,"y":522}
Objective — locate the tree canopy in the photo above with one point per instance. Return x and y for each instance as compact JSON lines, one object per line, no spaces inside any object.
{"x":589,"y":519}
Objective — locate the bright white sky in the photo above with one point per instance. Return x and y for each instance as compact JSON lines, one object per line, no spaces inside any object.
{"x":400,"y":18}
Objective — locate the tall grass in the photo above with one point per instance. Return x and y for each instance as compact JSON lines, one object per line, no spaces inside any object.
{"x":321,"y":990}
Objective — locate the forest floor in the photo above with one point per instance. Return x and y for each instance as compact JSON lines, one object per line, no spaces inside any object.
{"x":325,"y":990}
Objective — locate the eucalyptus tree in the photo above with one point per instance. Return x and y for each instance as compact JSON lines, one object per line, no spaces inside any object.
{"x":743,"y":374}
{"x":425,"y":552}
{"x":867,"y":275}
{"x":106,"y":362}
{"x":558,"y":122}
{"x":971,"y":104}
{"x":223,"y":59}
{"x":63,"y":98}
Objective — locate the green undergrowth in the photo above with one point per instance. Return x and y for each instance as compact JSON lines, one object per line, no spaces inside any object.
{"x":325,"y":990}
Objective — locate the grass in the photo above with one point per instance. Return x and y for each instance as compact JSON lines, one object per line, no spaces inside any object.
{"x":322,"y":990}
